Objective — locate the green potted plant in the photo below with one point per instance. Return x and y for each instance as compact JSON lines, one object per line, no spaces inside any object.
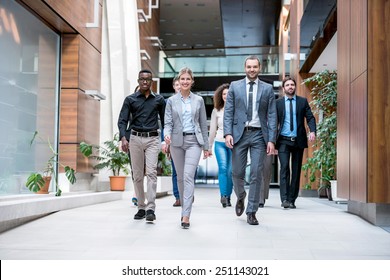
{"x":39,"y":182}
{"x":111,"y":157}
{"x":324,"y":102}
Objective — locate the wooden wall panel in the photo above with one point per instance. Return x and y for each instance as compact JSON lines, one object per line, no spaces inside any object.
{"x":358,"y":38}
{"x":379,"y":101}
{"x":358,"y":139}
{"x":88,"y":120}
{"x":70,"y":61}
{"x":78,"y":112}
{"x":79,"y":119}
{"x":80,"y":64}
{"x":343,"y":97}
{"x":69,"y":115}
{"x":89,"y":66}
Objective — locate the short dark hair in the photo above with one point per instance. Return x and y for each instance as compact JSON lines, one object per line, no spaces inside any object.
{"x":288,"y":78}
{"x":252,"y":57}
{"x":218,"y":101}
{"x":145,"y":71}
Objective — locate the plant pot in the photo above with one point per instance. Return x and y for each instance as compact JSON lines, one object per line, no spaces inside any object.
{"x":329,"y":194}
{"x":45,"y":188}
{"x":118,"y":183}
{"x":334,"y":192}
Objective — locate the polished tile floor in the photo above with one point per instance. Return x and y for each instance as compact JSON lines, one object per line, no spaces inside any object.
{"x":316,"y":230}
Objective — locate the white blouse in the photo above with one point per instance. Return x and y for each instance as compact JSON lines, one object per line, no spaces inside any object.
{"x":216,"y":127}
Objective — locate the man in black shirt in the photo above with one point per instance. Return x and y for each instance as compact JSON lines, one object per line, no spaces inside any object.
{"x":139,"y":115}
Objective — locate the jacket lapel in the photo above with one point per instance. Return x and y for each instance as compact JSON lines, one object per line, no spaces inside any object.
{"x":178,"y":108}
{"x":243,"y":96}
{"x":193,"y":107}
{"x":259,"y":94}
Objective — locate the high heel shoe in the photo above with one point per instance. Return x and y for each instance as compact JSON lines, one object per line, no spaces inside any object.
{"x":184,"y":225}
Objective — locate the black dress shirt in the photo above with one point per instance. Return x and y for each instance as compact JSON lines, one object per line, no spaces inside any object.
{"x":141,"y":114}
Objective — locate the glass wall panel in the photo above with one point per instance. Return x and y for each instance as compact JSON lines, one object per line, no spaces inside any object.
{"x":29,"y":67}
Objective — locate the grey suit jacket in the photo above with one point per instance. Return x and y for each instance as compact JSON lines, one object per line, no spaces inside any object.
{"x":235,"y":115}
{"x":173,"y":120}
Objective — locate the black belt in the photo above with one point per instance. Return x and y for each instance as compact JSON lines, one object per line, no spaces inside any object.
{"x":249,"y":128}
{"x":144,"y":134}
{"x":188,"y":133}
{"x":292,"y":139}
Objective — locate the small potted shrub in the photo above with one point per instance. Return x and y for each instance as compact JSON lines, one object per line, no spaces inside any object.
{"x":111,"y":157}
{"x":39,"y":182}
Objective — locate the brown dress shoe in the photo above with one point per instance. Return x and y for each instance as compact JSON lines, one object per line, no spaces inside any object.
{"x":177,"y":203}
{"x":251,"y":219}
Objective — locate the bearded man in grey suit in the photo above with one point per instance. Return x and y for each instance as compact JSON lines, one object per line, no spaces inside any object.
{"x":250,"y":125}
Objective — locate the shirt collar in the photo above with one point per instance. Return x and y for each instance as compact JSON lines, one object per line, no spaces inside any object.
{"x":247,"y":81}
{"x":286,"y":97}
{"x":189,"y":96}
{"x":141,"y":94}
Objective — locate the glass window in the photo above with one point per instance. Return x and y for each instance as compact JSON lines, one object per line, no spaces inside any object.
{"x":29,"y":90}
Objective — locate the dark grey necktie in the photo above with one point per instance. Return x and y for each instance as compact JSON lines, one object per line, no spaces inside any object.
{"x":291,"y":115}
{"x":250,"y":102}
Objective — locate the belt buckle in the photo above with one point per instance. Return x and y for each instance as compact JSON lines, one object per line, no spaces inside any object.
{"x":292,"y":139}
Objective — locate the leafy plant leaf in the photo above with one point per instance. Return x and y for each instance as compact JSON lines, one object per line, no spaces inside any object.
{"x":86,"y":149}
{"x":35,"y":182}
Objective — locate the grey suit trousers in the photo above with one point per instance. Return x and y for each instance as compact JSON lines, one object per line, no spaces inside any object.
{"x":267,"y":174}
{"x":253,"y":142}
{"x":186,"y":158}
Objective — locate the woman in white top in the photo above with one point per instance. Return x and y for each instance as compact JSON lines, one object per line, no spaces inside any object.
{"x":222,"y":153}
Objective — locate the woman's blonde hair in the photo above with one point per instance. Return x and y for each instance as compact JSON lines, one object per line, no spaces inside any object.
{"x":186,"y":70}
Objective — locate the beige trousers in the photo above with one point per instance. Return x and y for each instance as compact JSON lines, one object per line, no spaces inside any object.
{"x":144,"y":155}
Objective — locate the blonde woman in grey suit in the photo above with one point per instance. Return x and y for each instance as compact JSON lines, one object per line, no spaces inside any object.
{"x":185,"y":130}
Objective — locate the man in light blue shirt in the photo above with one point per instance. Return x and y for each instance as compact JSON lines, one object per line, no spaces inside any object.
{"x":292,"y":110}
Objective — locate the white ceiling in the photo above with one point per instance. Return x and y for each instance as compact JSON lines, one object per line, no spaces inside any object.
{"x":328,"y":58}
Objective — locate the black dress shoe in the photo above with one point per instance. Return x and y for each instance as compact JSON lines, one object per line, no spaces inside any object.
{"x":285,"y":204}
{"x":292,"y":205}
{"x":140,"y":214}
{"x":240,"y":207}
{"x":251,"y":219}
{"x":150,"y":216}
{"x":261,"y":205}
